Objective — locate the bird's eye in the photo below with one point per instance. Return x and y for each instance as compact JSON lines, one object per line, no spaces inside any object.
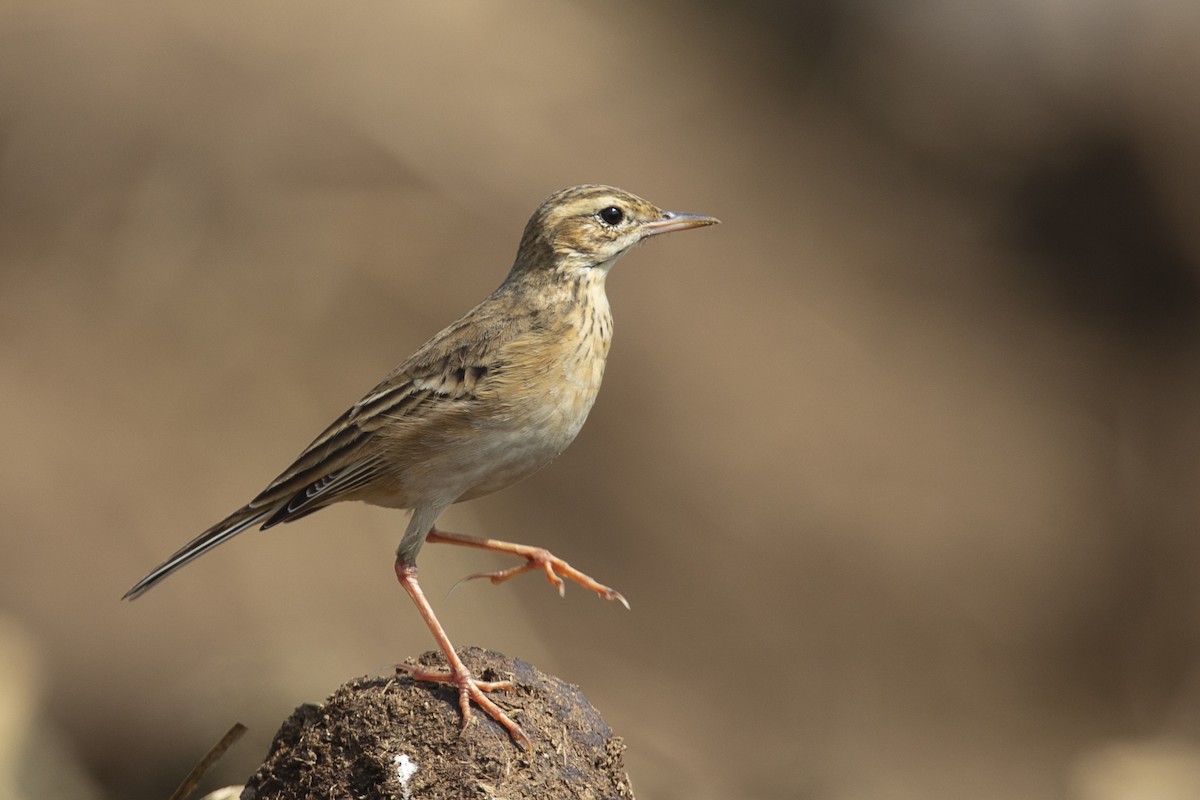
{"x":612,"y":215}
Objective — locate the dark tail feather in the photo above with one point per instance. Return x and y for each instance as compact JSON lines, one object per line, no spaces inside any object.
{"x":224,"y":530}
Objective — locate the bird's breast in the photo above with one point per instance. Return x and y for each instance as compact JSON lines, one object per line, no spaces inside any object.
{"x":546,"y":385}
{"x":555,"y":377}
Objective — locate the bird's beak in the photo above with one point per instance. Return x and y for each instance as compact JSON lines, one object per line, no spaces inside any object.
{"x":675,"y":221}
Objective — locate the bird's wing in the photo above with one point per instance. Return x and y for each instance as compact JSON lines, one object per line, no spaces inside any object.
{"x":437,"y":385}
{"x":441,"y":380}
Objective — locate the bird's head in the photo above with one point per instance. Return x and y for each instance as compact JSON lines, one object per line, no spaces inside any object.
{"x":587,"y":228}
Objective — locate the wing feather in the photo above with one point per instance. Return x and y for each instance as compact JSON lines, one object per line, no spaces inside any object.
{"x":440,"y":380}
{"x":435,"y":388}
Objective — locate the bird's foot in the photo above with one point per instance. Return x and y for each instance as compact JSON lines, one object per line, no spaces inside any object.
{"x":470,"y":688}
{"x":556,"y":570}
{"x":535,"y":558}
{"x":456,"y":672}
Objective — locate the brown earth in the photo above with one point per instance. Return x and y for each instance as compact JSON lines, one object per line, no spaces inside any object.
{"x":350,"y":746}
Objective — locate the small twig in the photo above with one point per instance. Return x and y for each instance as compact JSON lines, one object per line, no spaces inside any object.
{"x":193,"y":779}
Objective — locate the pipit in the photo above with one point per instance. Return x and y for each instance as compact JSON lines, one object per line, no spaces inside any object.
{"x":486,"y":402}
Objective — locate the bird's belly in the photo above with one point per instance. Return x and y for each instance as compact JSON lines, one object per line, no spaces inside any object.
{"x":535,"y":431}
{"x":501,"y":461}
{"x":528,"y":411}
{"x":509,"y":453}
{"x":492,"y":451}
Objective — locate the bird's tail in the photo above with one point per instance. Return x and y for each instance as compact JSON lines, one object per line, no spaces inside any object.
{"x":224,"y":530}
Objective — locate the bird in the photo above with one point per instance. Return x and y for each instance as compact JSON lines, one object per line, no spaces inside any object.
{"x":491,"y":399}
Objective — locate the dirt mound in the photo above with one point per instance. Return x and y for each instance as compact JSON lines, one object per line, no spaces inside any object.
{"x":391,"y":737}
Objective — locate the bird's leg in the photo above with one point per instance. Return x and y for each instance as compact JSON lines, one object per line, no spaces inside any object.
{"x":535,"y":558}
{"x":458,"y":674}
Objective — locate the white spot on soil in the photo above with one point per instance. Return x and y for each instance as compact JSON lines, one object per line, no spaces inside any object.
{"x":405,"y":769}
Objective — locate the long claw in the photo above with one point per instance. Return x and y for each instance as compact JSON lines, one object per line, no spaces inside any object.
{"x":555,"y":568}
{"x":471,"y":689}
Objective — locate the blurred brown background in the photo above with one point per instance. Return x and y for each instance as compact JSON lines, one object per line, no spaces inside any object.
{"x":897,"y":466}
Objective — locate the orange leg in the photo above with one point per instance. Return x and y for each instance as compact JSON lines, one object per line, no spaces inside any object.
{"x":458,"y":674}
{"x":535,"y":558}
